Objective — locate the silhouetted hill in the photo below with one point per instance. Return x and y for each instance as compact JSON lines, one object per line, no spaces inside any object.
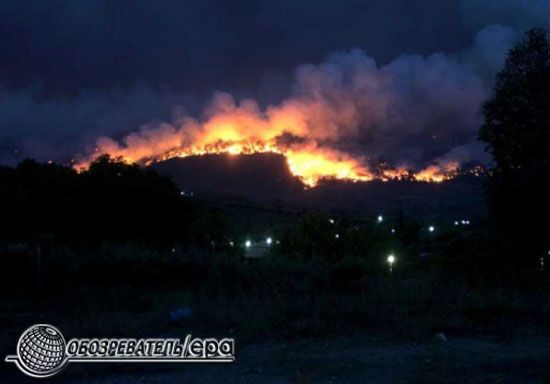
{"x":455,"y":199}
{"x":265,"y":178}
{"x":262,"y":175}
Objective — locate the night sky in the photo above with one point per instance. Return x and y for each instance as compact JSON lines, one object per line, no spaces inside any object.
{"x":72,"y":71}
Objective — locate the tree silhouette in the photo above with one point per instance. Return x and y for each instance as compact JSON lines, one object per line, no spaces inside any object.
{"x":111,"y":201}
{"x":517,"y":132}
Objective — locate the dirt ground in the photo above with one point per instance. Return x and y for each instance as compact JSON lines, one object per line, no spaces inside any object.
{"x":343,"y":360}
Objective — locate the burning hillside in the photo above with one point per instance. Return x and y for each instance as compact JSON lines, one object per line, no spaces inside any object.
{"x":306,"y":161}
{"x":286,"y":131}
{"x":348,"y":119}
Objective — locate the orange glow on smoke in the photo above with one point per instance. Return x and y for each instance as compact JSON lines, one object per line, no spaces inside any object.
{"x":296,"y":129}
{"x":437,"y":174}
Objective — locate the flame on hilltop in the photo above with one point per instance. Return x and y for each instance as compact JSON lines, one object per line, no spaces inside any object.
{"x":306,"y":133}
{"x":437,"y":174}
{"x":308,"y":162}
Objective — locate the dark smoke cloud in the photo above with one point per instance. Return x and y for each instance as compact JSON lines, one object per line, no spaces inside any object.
{"x":78,"y":76}
{"x":55,"y":128}
{"x":414,"y":111}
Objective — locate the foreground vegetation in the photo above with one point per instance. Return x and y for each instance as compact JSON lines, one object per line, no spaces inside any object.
{"x":124,"y":289}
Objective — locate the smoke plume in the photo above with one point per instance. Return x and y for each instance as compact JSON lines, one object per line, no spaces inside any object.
{"x":349,"y":114}
{"x":345,"y":117}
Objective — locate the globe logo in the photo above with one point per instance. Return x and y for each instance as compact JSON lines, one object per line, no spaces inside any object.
{"x":41,"y":350}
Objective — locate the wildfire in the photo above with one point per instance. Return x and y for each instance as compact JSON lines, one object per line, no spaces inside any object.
{"x":311,"y":167}
{"x":305,"y":133}
{"x":437,"y":174}
{"x":309,"y":164}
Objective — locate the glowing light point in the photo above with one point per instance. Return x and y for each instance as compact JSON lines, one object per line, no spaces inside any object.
{"x":393,"y":230}
{"x":337,"y":236}
{"x":431,"y":228}
{"x":456,"y":222}
{"x":380,"y":218}
{"x":248,"y":243}
{"x":391,"y":259}
{"x":268,"y":241}
{"x":331,"y":221}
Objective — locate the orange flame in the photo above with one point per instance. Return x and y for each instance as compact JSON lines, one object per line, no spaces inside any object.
{"x":296,"y":129}
{"x":307,"y":162}
{"x":437,"y":174}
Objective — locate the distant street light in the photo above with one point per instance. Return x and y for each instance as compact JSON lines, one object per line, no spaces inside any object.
{"x":380,"y":218}
{"x":431,"y":228}
{"x":268,"y":241}
{"x":248,"y":243}
{"x":391,"y":260}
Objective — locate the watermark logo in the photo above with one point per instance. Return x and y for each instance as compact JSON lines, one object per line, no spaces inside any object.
{"x":40,"y":351}
{"x":43,"y":352}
